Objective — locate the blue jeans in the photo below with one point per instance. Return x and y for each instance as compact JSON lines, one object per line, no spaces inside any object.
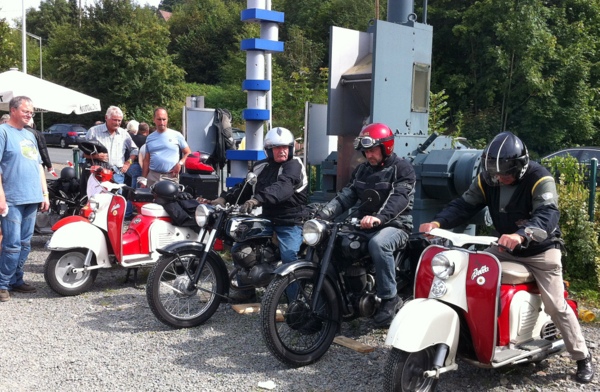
{"x":290,"y":240}
{"x":17,"y":228}
{"x":382,"y":246}
{"x":134,"y":171}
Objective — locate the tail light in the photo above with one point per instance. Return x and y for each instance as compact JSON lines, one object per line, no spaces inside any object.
{"x":218,"y":246}
{"x":74,"y":134}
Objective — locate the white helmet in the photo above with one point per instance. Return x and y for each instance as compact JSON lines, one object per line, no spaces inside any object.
{"x":279,"y":137}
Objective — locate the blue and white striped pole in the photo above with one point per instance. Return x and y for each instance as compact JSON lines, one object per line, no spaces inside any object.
{"x":257,"y":85}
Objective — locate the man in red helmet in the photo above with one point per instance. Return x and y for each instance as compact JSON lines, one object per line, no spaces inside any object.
{"x":390,"y":222}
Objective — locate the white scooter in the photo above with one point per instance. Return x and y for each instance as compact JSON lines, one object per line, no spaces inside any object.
{"x":495,"y":307}
{"x":81,"y":245}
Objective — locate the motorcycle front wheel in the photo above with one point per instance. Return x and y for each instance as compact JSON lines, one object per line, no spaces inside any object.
{"x":58,"y":272}
{"x":404,"y":371}
{"x":172,"y":297}
{"x":294,"y":333}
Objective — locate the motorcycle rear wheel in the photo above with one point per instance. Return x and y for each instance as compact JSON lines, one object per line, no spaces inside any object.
{"x":291,"y":331}
{"x":171,"y":299}
{"x":404,"y":371}
{"x":59,"y":276}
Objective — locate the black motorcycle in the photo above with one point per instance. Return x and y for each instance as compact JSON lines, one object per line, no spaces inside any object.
{"x":190,"y":279}
{"x":305,"y":304}
{"x":65,"y":200}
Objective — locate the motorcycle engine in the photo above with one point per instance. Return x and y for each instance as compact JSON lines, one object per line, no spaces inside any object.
{"x":248,"y":254}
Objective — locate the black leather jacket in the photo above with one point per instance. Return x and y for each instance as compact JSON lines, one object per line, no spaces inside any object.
{"x":281,"y":189}
{"x":395,"y":183}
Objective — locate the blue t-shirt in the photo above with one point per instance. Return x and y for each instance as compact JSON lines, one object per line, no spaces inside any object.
{"x":164,"y":149}
{"x":20,"y":166}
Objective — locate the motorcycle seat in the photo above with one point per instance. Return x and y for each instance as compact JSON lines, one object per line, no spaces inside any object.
{"x":515,"y":273}
{"x":154,"y":210}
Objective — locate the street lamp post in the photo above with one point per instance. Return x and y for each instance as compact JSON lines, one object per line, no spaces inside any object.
{"x":41,"y":73}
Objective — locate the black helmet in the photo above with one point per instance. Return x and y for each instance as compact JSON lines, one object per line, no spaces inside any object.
{"x":505,"y":155}
{"x":165,"y":191}
{"x":67,"y":173}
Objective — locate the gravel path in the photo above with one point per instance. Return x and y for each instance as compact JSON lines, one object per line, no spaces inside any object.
{"x":108,"y":339}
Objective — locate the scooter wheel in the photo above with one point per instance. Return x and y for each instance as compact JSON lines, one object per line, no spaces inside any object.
{"x":58,"y":272}
{"x":404,"y":371}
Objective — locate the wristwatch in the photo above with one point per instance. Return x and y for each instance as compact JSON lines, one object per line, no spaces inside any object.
{"x":180,"y":163}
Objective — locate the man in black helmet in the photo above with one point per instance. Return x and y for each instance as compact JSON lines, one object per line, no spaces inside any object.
{"x":520,"y":193}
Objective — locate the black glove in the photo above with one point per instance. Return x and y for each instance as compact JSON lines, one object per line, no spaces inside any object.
{"x":249,"y":206}
{"x":184,"y":196}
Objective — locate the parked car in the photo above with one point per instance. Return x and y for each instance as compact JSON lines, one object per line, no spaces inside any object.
{"x":583,"y":155}
{"x":238,"y":136}
{"x":64,"y":135}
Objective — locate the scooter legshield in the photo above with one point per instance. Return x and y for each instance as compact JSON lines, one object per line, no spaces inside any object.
{"x":422,"y":323}
{"x":81,"y":235}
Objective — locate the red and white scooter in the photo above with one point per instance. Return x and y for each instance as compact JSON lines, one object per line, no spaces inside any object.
{"x":495,"y":307}
{"x":81,"y":245}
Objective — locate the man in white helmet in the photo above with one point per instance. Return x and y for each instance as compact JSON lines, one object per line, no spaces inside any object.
{"x":281,"y":189}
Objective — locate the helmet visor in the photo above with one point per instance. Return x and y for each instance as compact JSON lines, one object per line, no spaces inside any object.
{"x":366,"y":142}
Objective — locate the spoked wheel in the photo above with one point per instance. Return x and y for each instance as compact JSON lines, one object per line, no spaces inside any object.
{"x":58,"y":272}
{"x":294,"y":333}
{"x":173,"y":298}
{"x":63,"y":143}
{"x":404,"y":371}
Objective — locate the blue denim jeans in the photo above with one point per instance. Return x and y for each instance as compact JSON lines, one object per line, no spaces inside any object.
{"x":17,"y":228}
{"x":290,"y":240}
{"x":382,"y":246}
{"x":134,"y":171}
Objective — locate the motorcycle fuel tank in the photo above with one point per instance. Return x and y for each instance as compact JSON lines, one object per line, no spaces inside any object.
{"x":245,"y":228}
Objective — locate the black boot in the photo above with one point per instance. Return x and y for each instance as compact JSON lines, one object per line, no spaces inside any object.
{"x":585,"y":370}
{"x":387,"y":311}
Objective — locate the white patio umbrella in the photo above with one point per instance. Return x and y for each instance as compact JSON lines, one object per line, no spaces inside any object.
{"x":46,"y":96}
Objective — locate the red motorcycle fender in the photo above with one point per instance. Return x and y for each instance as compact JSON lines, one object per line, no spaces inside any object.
{"x":422,"y":323}
{"x":75,"y":235}
{"x":69,"y":219}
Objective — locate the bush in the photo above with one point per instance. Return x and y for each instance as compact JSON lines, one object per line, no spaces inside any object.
{"x":581,"y":261}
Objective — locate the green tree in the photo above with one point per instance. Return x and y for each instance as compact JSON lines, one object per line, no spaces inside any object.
{"x":10,"y":48}
{"x":120,"y":56}
{"x":52,"y":13}
{"x":527,"y":66}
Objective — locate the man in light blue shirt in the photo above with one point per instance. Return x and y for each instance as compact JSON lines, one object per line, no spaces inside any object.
{"x":166,"y":151}
{"x":23,"y":190}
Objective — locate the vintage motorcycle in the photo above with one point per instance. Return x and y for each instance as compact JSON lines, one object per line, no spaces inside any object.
{"x":191,"y":279}
{"x":304,"y":305}
{"x":81,"y":245}
{"x":468,"y":304}
{"x":65,"y":200}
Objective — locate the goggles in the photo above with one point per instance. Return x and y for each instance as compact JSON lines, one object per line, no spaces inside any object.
{"x":366,"y":142}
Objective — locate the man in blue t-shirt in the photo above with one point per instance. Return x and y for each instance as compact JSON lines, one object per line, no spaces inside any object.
{"x":23,"y":190}
{"x":166,"y":151}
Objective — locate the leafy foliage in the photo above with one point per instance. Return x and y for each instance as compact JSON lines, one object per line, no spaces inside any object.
{"x":581,"y":261}
{"x":120,"y":56}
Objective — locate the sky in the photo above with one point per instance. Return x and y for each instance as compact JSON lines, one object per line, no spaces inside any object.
{"x":13,"y":9}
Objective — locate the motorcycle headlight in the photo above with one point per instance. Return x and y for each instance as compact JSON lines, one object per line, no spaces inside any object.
{"x":201,"y":215}
{"x":442,"y":266}
{"x":312,"y":232}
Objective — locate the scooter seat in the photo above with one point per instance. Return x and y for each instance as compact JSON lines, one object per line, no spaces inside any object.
{"x":515,"y":273}
{"x":155,"y":210}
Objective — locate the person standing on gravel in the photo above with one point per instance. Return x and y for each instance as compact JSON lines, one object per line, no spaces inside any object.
{"x":20,"y":164}
{"x":519,"y":194}
{"x":166,"y":151}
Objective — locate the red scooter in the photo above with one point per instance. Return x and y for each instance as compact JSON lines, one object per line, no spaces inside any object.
{"x":495,"y":307}
{"x":81,"y":245}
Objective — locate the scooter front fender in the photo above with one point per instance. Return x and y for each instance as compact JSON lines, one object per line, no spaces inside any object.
{"x":81,"y":234}
{"x":422,"y":323}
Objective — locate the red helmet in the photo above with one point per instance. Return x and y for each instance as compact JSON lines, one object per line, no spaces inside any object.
{"x":376,"y":134}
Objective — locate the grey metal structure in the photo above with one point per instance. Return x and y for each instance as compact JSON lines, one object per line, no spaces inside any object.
{"x":383,"y":75}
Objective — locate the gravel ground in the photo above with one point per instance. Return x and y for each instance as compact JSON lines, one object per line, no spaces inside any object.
{"x":108,"y":339}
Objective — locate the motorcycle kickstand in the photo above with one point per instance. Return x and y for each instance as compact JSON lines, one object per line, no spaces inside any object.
{"x":135,"y":277}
